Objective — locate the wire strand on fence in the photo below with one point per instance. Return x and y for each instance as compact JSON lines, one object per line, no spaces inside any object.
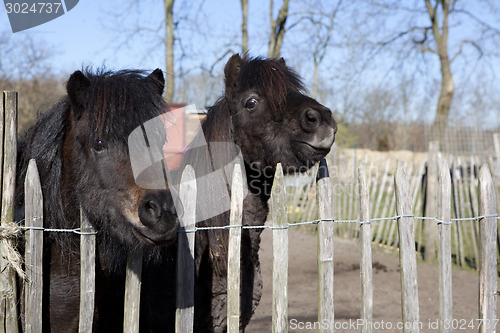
{"x":14,"y":228}
{"x":268,"y":226}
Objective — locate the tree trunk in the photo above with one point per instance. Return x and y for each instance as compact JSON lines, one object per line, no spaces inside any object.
{"x":316,"y":80}
{"x":277,"y":29}
{"x":169,"y":45}
{"x":447,"y":84}
{"x":244,"y":26}
{"x":444,"y":102}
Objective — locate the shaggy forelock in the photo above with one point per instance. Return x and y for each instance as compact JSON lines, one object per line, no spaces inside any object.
{"x":273,"y":78}
{"x":121,"y":101}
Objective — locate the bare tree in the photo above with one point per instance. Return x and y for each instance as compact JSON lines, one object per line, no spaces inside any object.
{"x":199,"y":88}
{"x":439,"y":26}
{"x":453,"y":30}
{"x":277,"y":29}
{"x":244,"y":26}
{"x":25,"y":68}
{"x":322,"y":23}
{"x":169,"y":50}
{"x":24,"y":58}
{"x":158,"y":33}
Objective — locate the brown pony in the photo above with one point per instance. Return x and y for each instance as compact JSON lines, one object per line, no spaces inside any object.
{"x":80,"y":146}
{"x":265,"y":116}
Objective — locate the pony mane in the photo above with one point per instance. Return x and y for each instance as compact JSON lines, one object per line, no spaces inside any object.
{"x":43,"y":142}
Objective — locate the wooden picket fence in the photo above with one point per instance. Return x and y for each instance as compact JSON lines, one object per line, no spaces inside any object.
{"x":279,"y":226}
{"x":423,"y":176}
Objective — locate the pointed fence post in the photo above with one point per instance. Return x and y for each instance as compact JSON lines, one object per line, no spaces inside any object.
{"x":280,"y":252}
{"x":9,"y":257}
{"x":496,"y":143}
{"x":496,"y":175}
{"x":366,"y":265}
{"x":184,"y":314}
{"x":431,"y":202}
{"x":444,"y":253}
{"x":376,"y":211}
{"x":325,"y":249}
{"x":33,"y":253}
{"x":407,"y":255}
{"x":87,"y":275}
{"x":487,"y":252}
{"x":234,"y":254}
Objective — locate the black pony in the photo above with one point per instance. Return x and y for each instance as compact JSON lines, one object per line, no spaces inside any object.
{"x":80,"y":146}
{"x":264,"y":115}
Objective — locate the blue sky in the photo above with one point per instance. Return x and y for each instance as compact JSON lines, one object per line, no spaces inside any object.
{"x":99,"y":33}
{"x":96,"y":33}
{"x":79,"y":38}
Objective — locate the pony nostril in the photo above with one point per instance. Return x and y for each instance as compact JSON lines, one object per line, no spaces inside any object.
{"x":157,"y":210}
{"x":153,"y":208}
{"x":312,"y":116}
{"x":310,"y":120}
{"x":150,"y":211}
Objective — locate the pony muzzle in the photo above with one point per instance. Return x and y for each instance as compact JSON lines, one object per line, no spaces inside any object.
{"x":159,"y":219}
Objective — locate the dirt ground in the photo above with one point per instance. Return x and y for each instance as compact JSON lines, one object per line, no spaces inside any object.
{"x":302,"y":289}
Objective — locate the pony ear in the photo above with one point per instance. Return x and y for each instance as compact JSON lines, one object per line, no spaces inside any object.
{"x":77,"y":88}
{"x":232,"y":70}
{"x":157,"y":80}
{"x":282,"y":61}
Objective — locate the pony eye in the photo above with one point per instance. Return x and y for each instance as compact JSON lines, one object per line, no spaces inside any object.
{"x":98,"y":145}
{"x":251,"y":103}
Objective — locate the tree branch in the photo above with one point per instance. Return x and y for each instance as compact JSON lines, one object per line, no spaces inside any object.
{"x":460,"y":49}
{"x":478,"y":20}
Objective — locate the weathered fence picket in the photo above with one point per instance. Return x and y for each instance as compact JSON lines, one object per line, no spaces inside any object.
{"x":234,"y":254}
{"x":496,"y":167}
{"x":311,"y":204}
{"x":366,"y":264}
{"x":184,"y":314}
{"x":414,"y":186}
{"x":373,"y":181}
{"x":459,"y":237}
{"x":487,"y":260}
{"x":473,"y":204}
{"x":431,"y":201}
{"x":407,"y":256}
{"x":418,"y":200}
{"x":496,"y":143}
{"x":376,"y":209}
{"x":9,"y":257}
{"x":461,"y":227}
{"x":33,"y":255}
{"x":87,"y":274}
{"x":352,"y":194}
{"x":280,"y":252}
{"x":325,"y":249}
{"x":132,"y":292}
{"x":390,"y":239}
{"x":380,"y":226}
{"x":444,"y":249}
{"x":345,"y":196}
